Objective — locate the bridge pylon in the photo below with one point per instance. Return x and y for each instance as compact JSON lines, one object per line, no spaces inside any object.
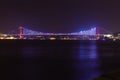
{"x":21,"y":32}
{"x":98,"y":32}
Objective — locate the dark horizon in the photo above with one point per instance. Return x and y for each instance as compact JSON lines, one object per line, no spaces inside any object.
{"x":59,"y":16}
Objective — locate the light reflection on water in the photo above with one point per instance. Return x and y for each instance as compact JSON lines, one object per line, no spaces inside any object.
{"x":88,"y":51}
{"x":58,"y":61}
{"x":88,"y":66}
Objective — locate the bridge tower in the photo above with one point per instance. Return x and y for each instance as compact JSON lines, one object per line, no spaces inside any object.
{"x":21,"y":32}
{"x":98,"y":32}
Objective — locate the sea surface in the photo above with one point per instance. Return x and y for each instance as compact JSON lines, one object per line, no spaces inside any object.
{"x":57,"y":60}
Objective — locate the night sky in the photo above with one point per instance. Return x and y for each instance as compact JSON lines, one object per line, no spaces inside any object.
{"x":59,"y":15}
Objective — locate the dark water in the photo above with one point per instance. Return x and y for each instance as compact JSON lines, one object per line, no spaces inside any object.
{"x":57,"y":60}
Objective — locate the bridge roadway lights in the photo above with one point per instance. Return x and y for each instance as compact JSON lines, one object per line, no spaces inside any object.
{"x":60,"y":37}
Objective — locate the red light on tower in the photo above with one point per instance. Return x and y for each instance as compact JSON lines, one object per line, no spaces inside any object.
{"x":98,"y":32}
{"x":21,"y":32}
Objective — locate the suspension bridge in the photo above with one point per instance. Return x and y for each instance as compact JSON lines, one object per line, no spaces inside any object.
{"x":94,"y":33}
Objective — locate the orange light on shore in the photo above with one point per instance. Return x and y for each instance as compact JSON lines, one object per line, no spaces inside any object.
{"x":52,"y":38}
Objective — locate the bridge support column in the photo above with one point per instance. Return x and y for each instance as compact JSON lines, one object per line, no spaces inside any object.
{"x":21,"y":32}
{"x":98,"y":33}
